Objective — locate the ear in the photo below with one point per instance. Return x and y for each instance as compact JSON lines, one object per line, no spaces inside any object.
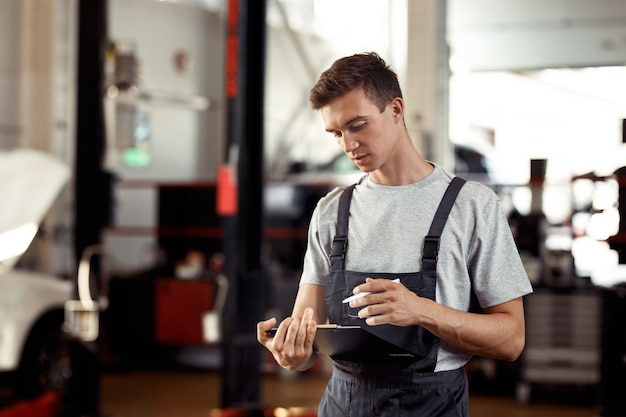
{"x":397,"y":108}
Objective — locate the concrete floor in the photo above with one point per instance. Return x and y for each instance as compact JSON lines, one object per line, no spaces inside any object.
{"x":197,"y":394}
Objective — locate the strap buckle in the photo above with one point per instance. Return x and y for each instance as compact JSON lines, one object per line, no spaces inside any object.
{"x":339,"y":246}
{"x":431,"y":248}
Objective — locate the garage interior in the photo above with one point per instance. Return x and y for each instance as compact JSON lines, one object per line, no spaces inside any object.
{"x":194,"y":162}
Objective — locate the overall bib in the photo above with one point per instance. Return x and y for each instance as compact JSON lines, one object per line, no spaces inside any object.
{"x":362,"y":385}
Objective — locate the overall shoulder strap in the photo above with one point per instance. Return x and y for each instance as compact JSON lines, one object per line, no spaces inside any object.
{"x":340,"y":241}
{"x":431,"y":241}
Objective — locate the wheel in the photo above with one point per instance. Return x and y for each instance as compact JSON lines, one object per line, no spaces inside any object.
{"x":46,"y":363}
{"x":52,"y":361}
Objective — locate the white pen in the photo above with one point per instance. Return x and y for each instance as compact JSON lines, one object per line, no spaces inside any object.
{"x":361,"y":294}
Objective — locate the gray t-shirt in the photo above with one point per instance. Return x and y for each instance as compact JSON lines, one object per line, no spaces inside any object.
{"x":386,"y":233}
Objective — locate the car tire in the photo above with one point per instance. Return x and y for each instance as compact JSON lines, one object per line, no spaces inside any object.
{"x":52,"y":361}
{"x":46,"y":363}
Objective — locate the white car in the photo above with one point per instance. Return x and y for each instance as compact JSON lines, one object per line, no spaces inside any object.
{"x":34,"y":349}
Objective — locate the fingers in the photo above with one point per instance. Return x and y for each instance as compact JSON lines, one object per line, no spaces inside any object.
{"x":298,"y":331}
{"x":376,"y":285}
{"x":280,"y":337}
{"x":308,"y":327}
{"x":292,"y":343}
{"x":385,"y":294}
{"x":262,"y":329}
{"x":381,"y":290}
{"x":266,"y":325}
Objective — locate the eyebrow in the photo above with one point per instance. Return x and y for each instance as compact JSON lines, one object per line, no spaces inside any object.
{"x":349,"y":121}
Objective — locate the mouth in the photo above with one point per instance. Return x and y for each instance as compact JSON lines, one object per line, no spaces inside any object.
{"x":359,"y":159}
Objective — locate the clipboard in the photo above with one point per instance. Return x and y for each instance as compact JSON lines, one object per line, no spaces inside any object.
{"x":352,"y":341}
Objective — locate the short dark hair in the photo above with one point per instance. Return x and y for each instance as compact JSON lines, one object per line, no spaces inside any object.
{"x":367,"y":70}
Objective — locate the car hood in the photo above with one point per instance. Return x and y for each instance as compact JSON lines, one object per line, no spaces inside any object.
{"x":30,"y":181}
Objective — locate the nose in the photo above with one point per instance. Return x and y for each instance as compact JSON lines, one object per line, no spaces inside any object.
{"x":348,"y":144}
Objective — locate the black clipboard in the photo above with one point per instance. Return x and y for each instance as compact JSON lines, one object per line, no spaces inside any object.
{"x":353,"y":342}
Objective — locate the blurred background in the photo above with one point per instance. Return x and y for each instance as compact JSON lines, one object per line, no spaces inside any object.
{"x":159,"y":162}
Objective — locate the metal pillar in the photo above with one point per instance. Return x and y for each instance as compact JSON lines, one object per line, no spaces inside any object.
{"x":245,"y":65}
{"x":91,"y":183}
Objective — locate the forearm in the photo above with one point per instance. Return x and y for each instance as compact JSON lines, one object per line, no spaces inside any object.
{"x":498,"y":333}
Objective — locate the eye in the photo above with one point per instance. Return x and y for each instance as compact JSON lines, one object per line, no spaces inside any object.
{"x":336,"y":134}
{"x":358,"y":125}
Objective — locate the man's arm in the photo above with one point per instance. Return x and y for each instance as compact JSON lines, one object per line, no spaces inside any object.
{"x":497,"y":333}
{"x":314,"y":296}
{"x":292,"y":345}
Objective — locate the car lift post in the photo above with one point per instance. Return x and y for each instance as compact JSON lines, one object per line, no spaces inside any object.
{"x":242,"y":218}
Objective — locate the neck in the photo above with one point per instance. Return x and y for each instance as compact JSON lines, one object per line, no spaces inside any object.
{"x":410,"y":167}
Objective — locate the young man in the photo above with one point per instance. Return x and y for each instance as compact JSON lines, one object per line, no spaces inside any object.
{"x":461,"y":286}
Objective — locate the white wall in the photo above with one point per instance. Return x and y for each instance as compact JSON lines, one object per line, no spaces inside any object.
{"x":533,"y":34}
{"x":531,"y":119}
{"x":185,"y":144}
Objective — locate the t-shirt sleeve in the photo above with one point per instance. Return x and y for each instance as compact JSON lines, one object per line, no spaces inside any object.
{"x":495,"y":266}
{"x":316,"y":263}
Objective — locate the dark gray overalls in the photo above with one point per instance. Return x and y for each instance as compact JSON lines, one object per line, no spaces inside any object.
{"x":389,"y":385}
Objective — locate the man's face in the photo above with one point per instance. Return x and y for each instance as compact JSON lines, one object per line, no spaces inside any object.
{"x":361,"y":130}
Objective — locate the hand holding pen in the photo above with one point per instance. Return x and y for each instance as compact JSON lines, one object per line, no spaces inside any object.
{"x":385,"y":301}
{"x":362,"y":294}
